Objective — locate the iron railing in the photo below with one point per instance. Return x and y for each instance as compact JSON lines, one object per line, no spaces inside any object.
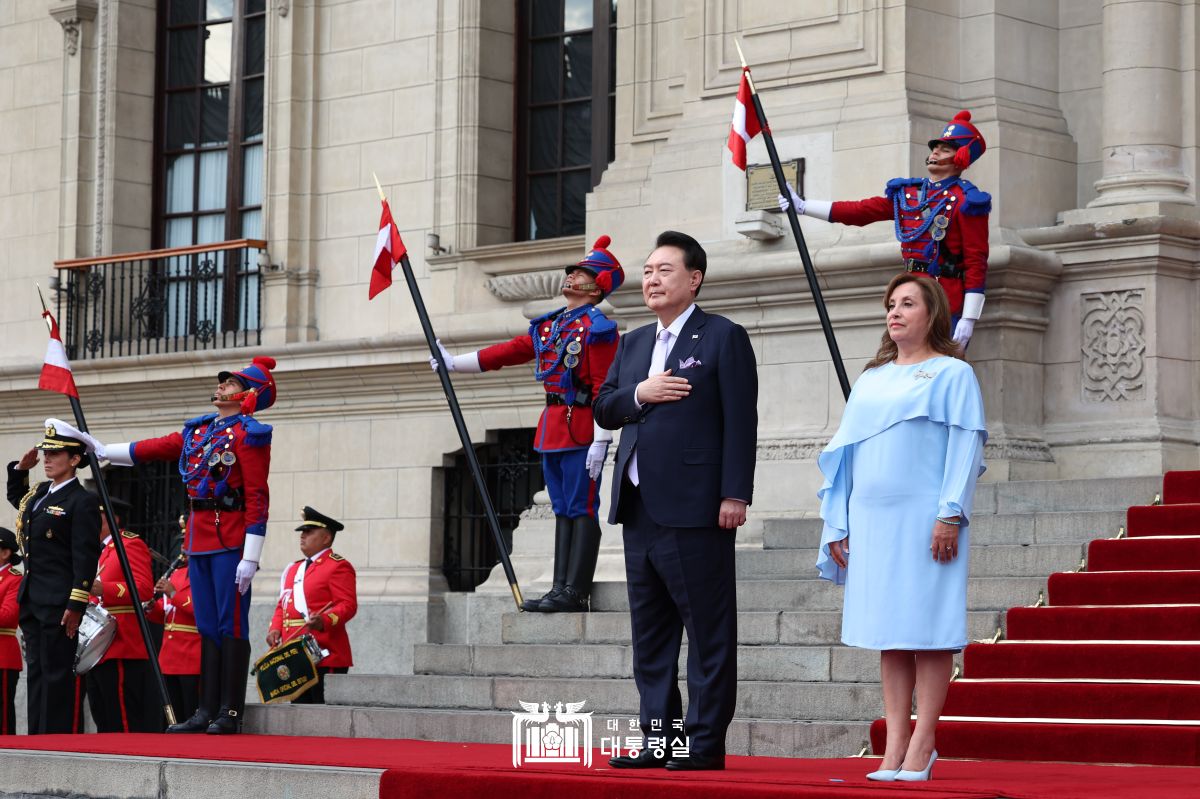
{"x":208,"y":296}
{"x":513,"y":473}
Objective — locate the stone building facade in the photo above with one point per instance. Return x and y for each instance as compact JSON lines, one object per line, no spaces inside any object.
{"x":1088,"y":350}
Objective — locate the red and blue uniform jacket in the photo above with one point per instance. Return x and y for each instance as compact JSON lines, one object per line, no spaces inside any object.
{"x":10,"y":614}
{"x":180,"y":651}
{"x":331,"y":592}
{"x":913,"y":204}
{"x":567,"y":424}
{"x":117,"y":599}
{"x":220,"y":459}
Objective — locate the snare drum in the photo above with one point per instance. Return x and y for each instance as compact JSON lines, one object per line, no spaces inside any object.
{"x":288,"y":670}
{"x":97,"y":630}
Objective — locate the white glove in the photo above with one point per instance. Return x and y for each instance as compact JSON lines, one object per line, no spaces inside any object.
{"x":245,"y":575}
{"x":596,"y":454}
{"x":446,"y":357}
{"x":457,"y":363}
{"x":784,"y":203}
{"x":963,"y":331}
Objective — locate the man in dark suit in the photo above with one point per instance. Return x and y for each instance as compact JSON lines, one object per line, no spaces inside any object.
{"x":59,"y":521}
{"x":684,"y":393}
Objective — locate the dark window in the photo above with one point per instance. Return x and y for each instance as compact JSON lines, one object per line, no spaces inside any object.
{"x":565,"y":109}
{"x":512,"y":471}
{"x":209,"y":142}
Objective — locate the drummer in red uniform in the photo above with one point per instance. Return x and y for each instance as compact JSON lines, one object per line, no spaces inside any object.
{"x":941,"y":221}
{"x":10,"y":649}
{"x":318,"y":595}
{"x":179,"y":655}
{"x":116,"y":685}
{"x":223,"y":458}
{"x":572,"y":349}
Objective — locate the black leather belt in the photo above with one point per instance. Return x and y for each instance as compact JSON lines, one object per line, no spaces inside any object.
{"x":945,"y":270}
{"x":227,"y":502}
{"x":582,"y":400}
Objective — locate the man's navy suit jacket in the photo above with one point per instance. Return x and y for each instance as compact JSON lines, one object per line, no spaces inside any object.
{"x":694,"y":452}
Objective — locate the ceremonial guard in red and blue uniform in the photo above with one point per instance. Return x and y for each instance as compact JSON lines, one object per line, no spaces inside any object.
{"x":572,"y":349}
{"x":116,"y":686}
{"x":179,"y":656}
{"x":318,"y":595}
{"x":10,"y":649}
{"x":941,"y":220}
{"x":224,"y":459}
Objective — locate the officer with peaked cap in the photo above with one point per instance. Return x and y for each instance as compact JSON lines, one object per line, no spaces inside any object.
{"x":59,"y":523}
{"x":941,"y":220}
{"x":318,"y":595}
{"x":572,"y":348}
{"x":10,"y":648}
{"x":223,"y":458}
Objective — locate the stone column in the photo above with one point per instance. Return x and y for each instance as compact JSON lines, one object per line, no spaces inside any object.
{"x":1143,"y":94}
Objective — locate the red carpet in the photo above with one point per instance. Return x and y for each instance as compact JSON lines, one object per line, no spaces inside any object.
{"x":1181,"y":487}
{"x":1117,"y":588}
{"x":449,"y":771}
{"x":1109,"y":670}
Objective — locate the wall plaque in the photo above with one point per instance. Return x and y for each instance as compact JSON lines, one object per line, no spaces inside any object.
{"x":762,"y":192}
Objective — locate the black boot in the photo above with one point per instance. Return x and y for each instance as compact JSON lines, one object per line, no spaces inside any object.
{"x":581,"y":568}
{"x":235,"y":666}
{"x":562,"y":552}
{"x":210,"y":689}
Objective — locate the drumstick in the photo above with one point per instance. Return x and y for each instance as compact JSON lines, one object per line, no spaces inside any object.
{"x":302,"y":627}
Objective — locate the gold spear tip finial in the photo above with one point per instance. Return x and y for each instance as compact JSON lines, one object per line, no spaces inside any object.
{"x":382,"y":198}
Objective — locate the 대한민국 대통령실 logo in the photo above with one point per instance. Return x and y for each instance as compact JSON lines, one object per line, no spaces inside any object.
{"x":564,"y":736}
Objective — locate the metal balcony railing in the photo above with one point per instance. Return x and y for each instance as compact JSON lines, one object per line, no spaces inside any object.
{"x":208,"y":296}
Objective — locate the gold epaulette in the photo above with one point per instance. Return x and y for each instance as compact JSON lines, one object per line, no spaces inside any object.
{"x":23,"y":504}
{"x":335,"y":556}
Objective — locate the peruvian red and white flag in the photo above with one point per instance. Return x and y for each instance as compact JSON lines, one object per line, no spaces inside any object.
{"x":56,"y":369}
{"x":389,"y":249}
{"x":745,"y":123}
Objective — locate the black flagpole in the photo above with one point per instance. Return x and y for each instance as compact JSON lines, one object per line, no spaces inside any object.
{"x":459,"y":423}
{"x":809,"y":272}
{"x":115,"y":530}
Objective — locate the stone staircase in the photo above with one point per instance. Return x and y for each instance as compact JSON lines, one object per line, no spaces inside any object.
{"x":800,"y":692}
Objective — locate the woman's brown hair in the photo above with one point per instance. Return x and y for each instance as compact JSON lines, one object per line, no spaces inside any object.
{"x":938,"y":334}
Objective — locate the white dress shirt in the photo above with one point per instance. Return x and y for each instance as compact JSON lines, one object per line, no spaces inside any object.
{"x":658,"y":363}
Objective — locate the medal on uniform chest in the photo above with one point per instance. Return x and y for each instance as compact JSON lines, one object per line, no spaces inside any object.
{"x":571,"y":361}
{"x":937,"y":234}
{"x":574,"y":347}
{"x":941,"y":221}
{"x":228,"y":458}
{"x":214,"y":459}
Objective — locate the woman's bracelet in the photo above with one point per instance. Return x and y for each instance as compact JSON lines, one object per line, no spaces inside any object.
{"x":955,"y":522}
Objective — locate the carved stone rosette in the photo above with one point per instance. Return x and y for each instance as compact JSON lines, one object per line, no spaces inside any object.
{"x":1114,"y":346}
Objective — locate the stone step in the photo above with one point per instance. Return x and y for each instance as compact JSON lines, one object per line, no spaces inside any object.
{"x":1044,"y":527}
{"x":764,"y":737}
{"x":754,"y":627}
{"x":1029,"y":560}
{"x":613,"y":661}
{"x":983,"y":593}
{"x":1030,"y":496}
{"x":812,"y":701}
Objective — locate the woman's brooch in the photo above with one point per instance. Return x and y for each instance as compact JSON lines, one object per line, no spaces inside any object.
{"x":922,"y":374}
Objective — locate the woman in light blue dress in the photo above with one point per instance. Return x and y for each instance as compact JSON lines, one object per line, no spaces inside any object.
{"x":899,"y":481}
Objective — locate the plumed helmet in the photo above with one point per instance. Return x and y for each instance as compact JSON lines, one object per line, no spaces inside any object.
{"x":963,"y":135}
{"x":258,"y":383}
{"x":603,"y":265}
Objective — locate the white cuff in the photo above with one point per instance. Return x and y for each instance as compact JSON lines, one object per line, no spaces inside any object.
{"x":818,"y":208}
{"x":116,"y":454}
{"x":252,"y":549}
{"x":467,"y":363}
{"x":972,"y":305}
{"x":600,"y":434}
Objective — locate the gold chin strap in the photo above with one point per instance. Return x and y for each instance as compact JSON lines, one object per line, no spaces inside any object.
{"x":584,"y":287}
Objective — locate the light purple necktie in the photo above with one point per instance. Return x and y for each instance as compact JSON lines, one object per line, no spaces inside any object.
{"x":658,"y":362}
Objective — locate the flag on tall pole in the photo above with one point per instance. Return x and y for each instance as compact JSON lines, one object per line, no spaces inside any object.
{"x":745,"y":124}
{"x":389,"y":249}
{"x":56,"y":369}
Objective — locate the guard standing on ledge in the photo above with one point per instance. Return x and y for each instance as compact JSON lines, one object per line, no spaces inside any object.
{"x":224,"y":458}
{"x":59,"y":522}
{"x":318,"y":593}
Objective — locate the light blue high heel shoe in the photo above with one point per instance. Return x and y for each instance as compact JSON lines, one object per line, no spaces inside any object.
{"x":884,"y":775}
{"x":917,"y":776}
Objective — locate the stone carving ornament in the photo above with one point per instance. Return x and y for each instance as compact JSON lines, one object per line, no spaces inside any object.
{"x":1114,"y":346}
